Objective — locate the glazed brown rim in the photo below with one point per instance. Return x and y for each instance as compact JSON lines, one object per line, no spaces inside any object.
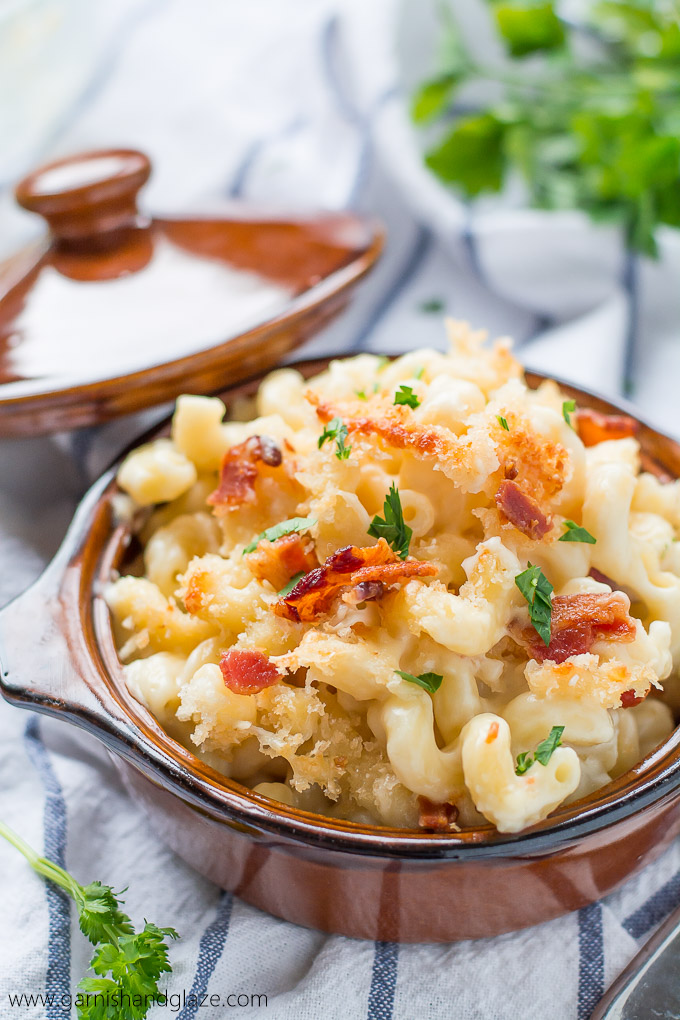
{"x":94,"y":546}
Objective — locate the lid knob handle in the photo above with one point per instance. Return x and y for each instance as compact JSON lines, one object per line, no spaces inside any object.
{"x":87,"y":195}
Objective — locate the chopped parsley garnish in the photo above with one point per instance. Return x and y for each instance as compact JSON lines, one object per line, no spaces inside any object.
{"x":291,"y":584}
{"x":405,"y":395}
{"x":432,"y":306}
{"x":383,"y":362}
{"x":575,"y":533}
{"x":537,"y":589}
{"x":337,"y":430}
{"x":568,"y":408}
{"x":543,"y":752}
{"x":418,"y":374}
{"x":361,"y":394}
{"x":279,"y":530}
{"x":503,"y":422}
{"x":431,"y":682}
{"x":393,"y":527}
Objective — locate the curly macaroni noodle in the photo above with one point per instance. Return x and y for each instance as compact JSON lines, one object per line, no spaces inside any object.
{"x":329,"y":666}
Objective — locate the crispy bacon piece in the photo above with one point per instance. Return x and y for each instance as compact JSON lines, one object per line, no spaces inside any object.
{"x":282,"y":559}
{"x":594,"y":427}
{"x":629,"y":699}
{"x":247,"y":670}
{"x":314,"y":594}
{"x":597,"y":575}
{"x":239,"y":470}
{"x":577,"y":622}
{"x":522,"y":511}
{"x":437,"y":817}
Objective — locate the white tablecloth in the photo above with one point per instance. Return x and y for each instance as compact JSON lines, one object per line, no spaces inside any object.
{"x":263,"y":100}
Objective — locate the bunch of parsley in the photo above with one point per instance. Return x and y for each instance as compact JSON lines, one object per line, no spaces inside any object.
{"x":588,"y":112}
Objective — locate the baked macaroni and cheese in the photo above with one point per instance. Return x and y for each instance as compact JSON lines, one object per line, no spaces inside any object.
{"x":406,"y":593}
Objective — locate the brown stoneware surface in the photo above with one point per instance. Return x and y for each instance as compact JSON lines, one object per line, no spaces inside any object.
{"x":58,"y":657}
{"x":114,"y":311}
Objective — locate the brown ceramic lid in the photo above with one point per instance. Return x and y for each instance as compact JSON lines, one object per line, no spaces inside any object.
{"x":115,"y":311}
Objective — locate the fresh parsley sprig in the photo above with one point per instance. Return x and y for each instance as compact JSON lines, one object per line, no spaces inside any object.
{"x":127,"y":963}
{"x":543,"y":752}
{"x":503,"y":422}
{"x":279,"y":530}
{"x":337,"y":430}
{"x":591,"y":123}
{"x":406,"y":396}
{"x":537,"y":589}
{"x":392,"y":527}
{"x":287,"y":588}
{"x":430,"y":682}
{"x":568,"y":408}
{"x":575,"y":533}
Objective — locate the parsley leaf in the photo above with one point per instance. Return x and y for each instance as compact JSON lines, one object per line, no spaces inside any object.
{"x":433,"y":98}
{"x":575,"y":533}
{"x":405,"y":395}
{"x":361,"y":394}
{"x":503,"y":422}
{"x":568,"y":408}
{"x":127,"y":963}
{"x":420,"y":371}
{"x":543,"y":752}
{"x":537,"y":589}
{"x":392,"y":528}
{"x":337,"y":430}
{"x":433,"y":306}
{"x":528,"y":28}
{"x":279,"y":530}
{"x":472,"y":154}
{"x":430,"y":682}
{"x":287,"y":589}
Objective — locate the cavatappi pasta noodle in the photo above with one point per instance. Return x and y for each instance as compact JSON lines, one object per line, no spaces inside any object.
{"x":375,"y":657}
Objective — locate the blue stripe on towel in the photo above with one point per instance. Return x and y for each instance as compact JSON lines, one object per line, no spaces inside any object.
{"x":236,"y":186}
{"x":630,"y":280}
{"x":348,"y":110}
{"x":654,"y":909}
{"x":58,"y":978}
{"x":330,"y":64}
{"x":591,"y":959}
{"x":383,"y":981}
{"x":412,"y":263}
{"x":470,"y":242}
{"x":210,"y":949}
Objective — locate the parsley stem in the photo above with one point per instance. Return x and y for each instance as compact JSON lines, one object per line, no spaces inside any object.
{"x":560,"y":86}
{"x":48,"y":869}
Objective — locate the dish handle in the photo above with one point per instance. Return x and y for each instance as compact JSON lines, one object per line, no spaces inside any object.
{"x":46,"y":660}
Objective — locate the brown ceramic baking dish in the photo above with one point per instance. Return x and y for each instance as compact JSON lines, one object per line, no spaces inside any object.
{"x":58,"y":657}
